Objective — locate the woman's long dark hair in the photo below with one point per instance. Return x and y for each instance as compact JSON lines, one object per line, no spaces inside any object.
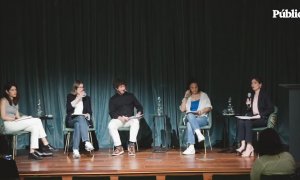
{"x":258,"y":79}
{"x":269,"y":142}
{"x":7,"y":87}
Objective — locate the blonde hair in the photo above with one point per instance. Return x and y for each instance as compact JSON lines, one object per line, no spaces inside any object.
{"x":76,"y":84}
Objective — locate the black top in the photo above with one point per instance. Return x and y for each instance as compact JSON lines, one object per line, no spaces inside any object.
{"x":265,"y":107}
{"x":123,"y":105}
{"x":87,"y":108}
{"x":86,"y":105}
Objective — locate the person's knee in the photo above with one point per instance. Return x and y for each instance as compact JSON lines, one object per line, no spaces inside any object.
{"x":34,"y":129}
{"x":188,"y":125}
{"x":135,"y":123}
{"x":190,"y":116}
{"x":76,"y":125}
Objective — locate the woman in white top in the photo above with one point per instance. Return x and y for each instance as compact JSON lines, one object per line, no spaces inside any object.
{"x":273,"y":159}
{"x":79,"y":113}
{"x":197,"y":105}
{"x":13,"y":122}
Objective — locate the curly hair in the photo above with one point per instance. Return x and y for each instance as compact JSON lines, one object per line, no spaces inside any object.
{"x":118,"y":82}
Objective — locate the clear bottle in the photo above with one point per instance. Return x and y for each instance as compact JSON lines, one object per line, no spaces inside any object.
{"x":39,"y":111}
{"x":159,"y":107}
{"x":230,"y":109}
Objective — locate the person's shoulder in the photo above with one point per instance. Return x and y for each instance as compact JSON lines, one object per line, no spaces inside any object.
{"x":129,"y":94}
{"x":263,"y":92}
{"x":3,"y":99}
{"x":113,"y":96}
{"x":287,"y":154}
{"x":203,"y":94}
{"x":70,"y":95}
{"x":88,"y":98}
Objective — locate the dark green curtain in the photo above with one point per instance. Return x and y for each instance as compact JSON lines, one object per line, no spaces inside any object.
{"x":156,"y":45}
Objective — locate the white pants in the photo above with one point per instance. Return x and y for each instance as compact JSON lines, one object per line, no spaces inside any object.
{"x":115,"y":124}
{"x":33,"y":125}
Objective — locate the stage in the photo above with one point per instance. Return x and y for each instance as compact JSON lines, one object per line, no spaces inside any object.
{"x":145,"y":163}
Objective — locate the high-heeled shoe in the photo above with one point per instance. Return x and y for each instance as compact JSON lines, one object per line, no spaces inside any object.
{"x":249,"y":151}
{"x":241,"y":148}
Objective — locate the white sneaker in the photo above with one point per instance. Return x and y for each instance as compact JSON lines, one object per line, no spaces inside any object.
{"x":200,"y":137}
{"x":88,"y":146}
{"x":189,"y":151}
{"x":76,"y":154}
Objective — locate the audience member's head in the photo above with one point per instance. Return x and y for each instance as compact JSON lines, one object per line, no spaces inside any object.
{"x":269,"y":142}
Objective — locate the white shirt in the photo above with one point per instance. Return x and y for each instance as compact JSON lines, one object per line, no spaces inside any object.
{"x":255,"y":104}
{"x":78,"y":108}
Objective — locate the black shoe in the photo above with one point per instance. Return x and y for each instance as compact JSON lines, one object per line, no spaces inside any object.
{"x":49,"y":147}
{"x":43,"y":153}
{"x":34,"y":156}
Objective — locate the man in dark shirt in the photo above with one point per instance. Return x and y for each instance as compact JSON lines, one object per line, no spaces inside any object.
{"x":121,"y":110}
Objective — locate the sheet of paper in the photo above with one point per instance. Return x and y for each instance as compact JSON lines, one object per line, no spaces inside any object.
{"x":135,"y":117}
{"x":77,"y":114}
{"x":248,"y":117}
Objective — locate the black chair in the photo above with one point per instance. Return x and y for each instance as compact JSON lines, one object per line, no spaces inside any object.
{"x":182,"y":128}
{"x":272,"y":121}
{"x":14,"y":137}
{"x":67,"y":132}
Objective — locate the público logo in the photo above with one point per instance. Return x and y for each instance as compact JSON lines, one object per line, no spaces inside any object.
{"x":286,"y":13}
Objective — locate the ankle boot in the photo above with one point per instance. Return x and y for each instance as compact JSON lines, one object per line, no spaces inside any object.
{"x":242,"y":147}
{"x":249,"y":151}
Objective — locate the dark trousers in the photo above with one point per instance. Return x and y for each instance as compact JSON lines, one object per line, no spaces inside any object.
{"x":245,"y":128}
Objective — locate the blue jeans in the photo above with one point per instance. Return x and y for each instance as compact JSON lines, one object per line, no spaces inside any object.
{"x":194,"y":122}
{"x":81,"y":129}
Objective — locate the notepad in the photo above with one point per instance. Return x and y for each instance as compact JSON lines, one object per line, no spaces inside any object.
{"x":248,"y":117}
{"x":77,"y":114}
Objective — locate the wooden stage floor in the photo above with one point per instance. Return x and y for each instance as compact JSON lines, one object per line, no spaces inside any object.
{"x":145,"y":163}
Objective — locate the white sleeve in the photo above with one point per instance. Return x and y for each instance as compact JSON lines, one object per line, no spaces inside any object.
{"x":206,"y":101}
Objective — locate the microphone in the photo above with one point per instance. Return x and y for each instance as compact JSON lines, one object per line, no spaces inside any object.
{"x":248,"y":101}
